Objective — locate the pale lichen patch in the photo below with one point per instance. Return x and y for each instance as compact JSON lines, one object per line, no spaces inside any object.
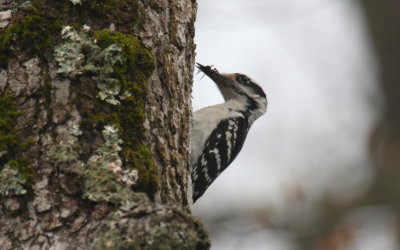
{"x":5,"y":17}
{"x":102,"y":177}
{"x":80,"y":55}
{"x":75,"y":2}
{"x":11,"y":181}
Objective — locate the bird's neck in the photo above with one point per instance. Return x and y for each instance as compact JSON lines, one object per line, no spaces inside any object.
{"x":252,"y":108}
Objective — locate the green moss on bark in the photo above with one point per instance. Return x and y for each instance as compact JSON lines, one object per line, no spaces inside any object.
{"x":32,"y":33}
{"x":166,"y":228}
{"x":36,"y":28}
{"x":101,"y":12}
{"x":121,"y":81}
{"x":129,"y":116}
{"x":113,"y":239}
{"x":119,"y":12}
{"x":11,"y":144}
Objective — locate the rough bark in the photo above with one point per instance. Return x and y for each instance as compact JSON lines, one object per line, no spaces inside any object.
{"x":167,"y":28}
{"x":93,"y":127}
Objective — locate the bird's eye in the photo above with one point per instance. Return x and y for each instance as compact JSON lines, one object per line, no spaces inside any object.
{"x":242,"y":79}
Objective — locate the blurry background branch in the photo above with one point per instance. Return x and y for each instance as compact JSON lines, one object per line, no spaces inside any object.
{"x":383,"y":20}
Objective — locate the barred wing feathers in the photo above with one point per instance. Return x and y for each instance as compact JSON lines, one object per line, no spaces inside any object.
{"x":221,"y":148}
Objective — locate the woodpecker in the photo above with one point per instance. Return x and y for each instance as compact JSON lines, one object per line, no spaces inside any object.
{"x":219,"y":131}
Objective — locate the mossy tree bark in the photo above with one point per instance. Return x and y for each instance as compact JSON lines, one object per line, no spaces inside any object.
{"x":94,"y":124}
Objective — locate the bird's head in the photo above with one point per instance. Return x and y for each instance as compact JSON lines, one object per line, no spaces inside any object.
{"x":238,"y":86}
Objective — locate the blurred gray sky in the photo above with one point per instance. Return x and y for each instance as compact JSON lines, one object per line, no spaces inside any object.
{"x":313,"y":59}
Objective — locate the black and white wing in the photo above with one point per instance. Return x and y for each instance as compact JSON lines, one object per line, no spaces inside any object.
{"x":221,"y":148}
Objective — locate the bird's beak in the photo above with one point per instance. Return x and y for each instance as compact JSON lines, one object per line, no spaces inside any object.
{"x":213,"y":73}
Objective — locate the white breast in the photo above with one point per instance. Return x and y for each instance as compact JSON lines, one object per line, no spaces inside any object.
{"x":204,"y":121}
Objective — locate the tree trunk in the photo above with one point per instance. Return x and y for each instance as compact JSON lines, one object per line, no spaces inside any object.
{"x":94,"y":124}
